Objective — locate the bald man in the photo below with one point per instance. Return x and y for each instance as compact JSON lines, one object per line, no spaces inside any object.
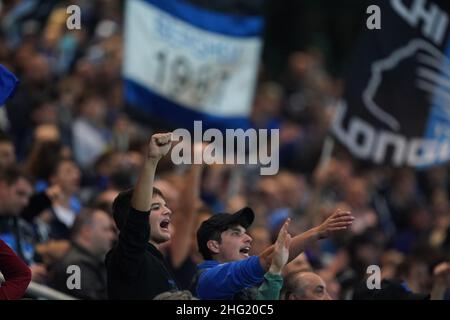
{"x":305,"y":286}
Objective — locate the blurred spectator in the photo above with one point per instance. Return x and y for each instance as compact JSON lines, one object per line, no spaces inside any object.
{"x":415,"y":273}
{"x":390,"y":290}
{"x":41,"y":161}
{"x":357,"y":198}
{"x":261,"y":239}
{"x":7,"y":152}
{"x":67,"y":176}
{"x":15,"y":192}
{"x":105,"y":200}
{"x":54,"y":208}
{"x":402,"y":196}
{"x":305,"y":286}
{"x":92,"y":238}
{"x":90,"y":135}
{"x":266,"y":106}
{"x":35,"y":86}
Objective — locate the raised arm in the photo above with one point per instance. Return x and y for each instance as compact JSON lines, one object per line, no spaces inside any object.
{"x":225,"y":280}
{"x":158,"y":147}
{"x":338,"y":221}
{"x":184,"y":221}
{"x":135,"y":233}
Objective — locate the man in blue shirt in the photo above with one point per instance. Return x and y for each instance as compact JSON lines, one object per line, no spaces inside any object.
{"x":228,"y":271}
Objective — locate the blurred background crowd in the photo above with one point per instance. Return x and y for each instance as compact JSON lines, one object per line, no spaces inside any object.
{"x":77,"y":144}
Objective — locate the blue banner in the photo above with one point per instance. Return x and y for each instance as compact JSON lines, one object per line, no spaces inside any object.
{"x":185,"y":63}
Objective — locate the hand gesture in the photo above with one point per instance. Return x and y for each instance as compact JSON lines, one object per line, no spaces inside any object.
{"x":441,"y":274}
{"x":54,"y":193}
{"x":281,"y":249}
{"x":159,"y":145}
{"x":340,"y":220}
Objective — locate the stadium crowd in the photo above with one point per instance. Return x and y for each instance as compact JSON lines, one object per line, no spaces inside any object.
{"x":70,"y":145}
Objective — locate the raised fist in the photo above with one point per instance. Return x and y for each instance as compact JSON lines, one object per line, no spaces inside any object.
{"x":159,"y":145}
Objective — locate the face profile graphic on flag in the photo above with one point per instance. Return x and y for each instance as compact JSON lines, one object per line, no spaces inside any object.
{"x":186,"y":61}
{"x":427,"y":72}
{"x":396,"y":106}
{"x":8,"y":83}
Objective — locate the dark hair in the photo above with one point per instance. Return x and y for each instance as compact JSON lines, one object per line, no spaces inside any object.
{"x":124,"y":198}
{"x":204,"y":251}
{"x":157,"y":192}
{"x":10,"y":175}
{"x":104,"y":158}
{"x":60,"y":160}
{"x":122,"y":204}
{"x":121,"y":179}
{"x":43,"y":159}
{"x":4,"y":138}
{"x":102,"y":205}
{"x":216,"y":236}
{"x":84,"y":218}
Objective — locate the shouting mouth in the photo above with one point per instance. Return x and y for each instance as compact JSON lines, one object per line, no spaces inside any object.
{"x":165,"y":224}
{"x":245,"y":251}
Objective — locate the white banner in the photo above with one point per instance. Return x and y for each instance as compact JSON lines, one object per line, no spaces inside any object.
{"x":195,"y":68}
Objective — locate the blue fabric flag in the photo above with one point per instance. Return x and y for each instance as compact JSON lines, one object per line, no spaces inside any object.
{"x":8,"y":83}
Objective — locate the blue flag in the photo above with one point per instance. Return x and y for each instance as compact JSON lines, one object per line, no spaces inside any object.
{"x":184,"y":62}
{"x":8,"y":83}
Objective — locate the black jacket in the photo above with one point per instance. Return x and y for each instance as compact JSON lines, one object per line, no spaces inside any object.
{"x":136,"y":269}
{"x":53,"y":230}
{"x":92,"y":274}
